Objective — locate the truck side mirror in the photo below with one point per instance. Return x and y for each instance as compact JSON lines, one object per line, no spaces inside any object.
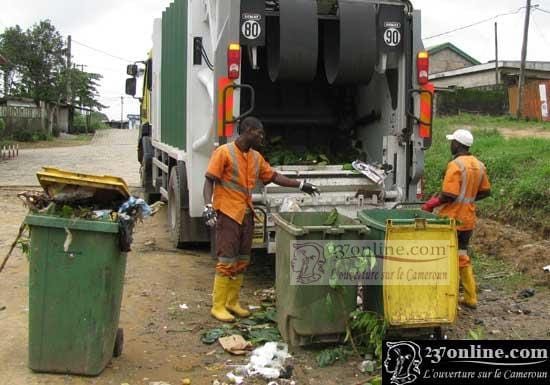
{"x":131,"y":86}
{"x":132,"y":70}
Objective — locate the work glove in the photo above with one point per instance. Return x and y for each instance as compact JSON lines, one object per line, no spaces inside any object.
{"x":430,"y":205}
{"x":209,"y":215}
{"x":309,"y":188}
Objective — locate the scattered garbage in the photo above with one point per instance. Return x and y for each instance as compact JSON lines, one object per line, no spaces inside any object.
{"x":290,"y":205}
{"x":373,"y":173}
{"x":2,"y":308}
{"x":367,"y":366}
{"x":234,"y":379}
{"x":258,"y":329}
{"x":88,"y":197}
{"x":183,"y":306}
{"x":546,"y":268}
{"x":132,"y":210}
{"x":235,"y":344}
{"x":267,"y":361}
{"x":526,"y":293}
{"x":186,"y":381}
{"x":159,"y":383}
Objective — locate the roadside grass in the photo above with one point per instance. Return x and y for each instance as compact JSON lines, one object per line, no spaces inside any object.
{"x":486,"y":121}
{"x":518,"y":168}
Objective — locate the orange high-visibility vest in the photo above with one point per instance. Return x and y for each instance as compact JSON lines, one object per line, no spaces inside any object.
{"x":237,"y":174}
{"x":465,"y":177}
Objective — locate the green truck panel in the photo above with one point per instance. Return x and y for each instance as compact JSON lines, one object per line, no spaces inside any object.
{"x":174,"y":75}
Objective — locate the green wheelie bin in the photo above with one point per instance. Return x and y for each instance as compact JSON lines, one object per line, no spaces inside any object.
{"x":75,"y":291}
{"x":304,"y":316}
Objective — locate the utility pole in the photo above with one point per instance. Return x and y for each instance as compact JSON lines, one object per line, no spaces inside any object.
{"x":69,"y":100}
{"x":521,"y":84}
{"x":496,"y":54}
{"x":121,"y":111}
{"x":69,"y":66}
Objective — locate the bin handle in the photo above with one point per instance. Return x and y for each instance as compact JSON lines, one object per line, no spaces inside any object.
{"x":294,"y":230}
{"x":399,"y":204}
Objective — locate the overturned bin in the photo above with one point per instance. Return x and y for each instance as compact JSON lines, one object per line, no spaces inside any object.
{"x":310,"y":311}
{"x":76,"y":279}
{"x":419,"y":270}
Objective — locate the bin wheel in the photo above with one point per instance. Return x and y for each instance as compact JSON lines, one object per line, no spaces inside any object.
{"x":119,"y":343}
{"x":439,"y":333}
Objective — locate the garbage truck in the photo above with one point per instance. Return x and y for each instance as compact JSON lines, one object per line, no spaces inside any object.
{"x":333,"y":81}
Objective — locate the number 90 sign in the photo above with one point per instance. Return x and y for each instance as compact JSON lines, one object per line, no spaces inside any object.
{"x":392,"y":37}
{"x":251,"y":29}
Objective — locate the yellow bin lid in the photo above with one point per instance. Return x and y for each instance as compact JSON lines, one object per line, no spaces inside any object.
{"x":62,"y":185}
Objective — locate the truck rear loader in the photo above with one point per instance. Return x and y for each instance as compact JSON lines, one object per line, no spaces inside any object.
{"x":339,"y":79}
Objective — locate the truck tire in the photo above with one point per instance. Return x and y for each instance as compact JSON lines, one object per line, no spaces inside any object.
{"x":185,"y":231}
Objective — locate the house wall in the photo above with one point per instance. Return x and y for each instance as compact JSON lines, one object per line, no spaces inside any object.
{"x":532,"y":101}
{"x":476,"y":79}
{"x":447,"y":60}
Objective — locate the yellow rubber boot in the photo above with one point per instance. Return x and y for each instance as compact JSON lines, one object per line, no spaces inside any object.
{"x":219,"y":298}
{"x":234,"y":293}
{"x":469,"y":285}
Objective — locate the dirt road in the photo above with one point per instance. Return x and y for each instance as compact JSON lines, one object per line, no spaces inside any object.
{"x":111,"y":152}
{"x":163,"y":342}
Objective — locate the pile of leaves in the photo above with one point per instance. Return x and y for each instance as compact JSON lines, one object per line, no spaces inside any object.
{"x":258,"y":329}
{"x":280,"y":152}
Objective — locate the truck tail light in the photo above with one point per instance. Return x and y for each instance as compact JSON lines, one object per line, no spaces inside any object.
{"x":423,"y":67}
{"x":426,"y":111}
{"x":234,"y":61}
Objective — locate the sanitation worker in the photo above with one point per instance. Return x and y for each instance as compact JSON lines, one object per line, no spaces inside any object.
{"x":233,"y":172}
{"x":465,"y":183}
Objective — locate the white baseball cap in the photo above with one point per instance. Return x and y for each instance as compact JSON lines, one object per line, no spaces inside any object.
{"x":462,"y":136}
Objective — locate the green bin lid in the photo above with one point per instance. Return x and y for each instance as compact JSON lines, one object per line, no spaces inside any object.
{"x":72,"y":224}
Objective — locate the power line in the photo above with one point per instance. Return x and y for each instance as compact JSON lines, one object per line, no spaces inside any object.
{"x":542,"y":10}
{"x":103,"y":52}
{"x":476,"y":23}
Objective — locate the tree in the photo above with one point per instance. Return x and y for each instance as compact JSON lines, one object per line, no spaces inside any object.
{"x":13,"y":46}
{"x":42,"y":63}
{"x":85,"y":88}
{"x":37,"y":67}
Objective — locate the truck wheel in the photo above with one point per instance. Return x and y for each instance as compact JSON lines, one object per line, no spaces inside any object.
{"x":119,"y":343}
{"x":177,"y":187}
{"x":185,"y":231}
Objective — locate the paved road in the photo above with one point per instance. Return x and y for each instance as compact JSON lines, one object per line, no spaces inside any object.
{"x":111,"y":152}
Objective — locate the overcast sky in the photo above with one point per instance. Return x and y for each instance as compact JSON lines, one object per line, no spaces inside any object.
{"x":123,"y":28}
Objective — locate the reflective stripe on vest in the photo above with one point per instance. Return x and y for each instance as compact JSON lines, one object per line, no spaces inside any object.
{"x":464,"y":182}
{"x":234,"y":184}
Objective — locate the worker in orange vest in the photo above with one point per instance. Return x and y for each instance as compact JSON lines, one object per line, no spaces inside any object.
{"x":465,"y":183}
{"x":232,"y":174}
